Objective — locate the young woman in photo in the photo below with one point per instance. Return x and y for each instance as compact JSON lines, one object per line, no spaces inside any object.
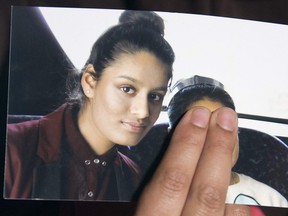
{"x":72,"y":152}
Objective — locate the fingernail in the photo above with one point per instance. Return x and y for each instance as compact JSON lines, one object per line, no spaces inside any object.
{"x":200,"y":117}
{"x":227,"y":119}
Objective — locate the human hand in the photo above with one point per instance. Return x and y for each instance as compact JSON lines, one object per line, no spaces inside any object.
{"x":194,"y":174}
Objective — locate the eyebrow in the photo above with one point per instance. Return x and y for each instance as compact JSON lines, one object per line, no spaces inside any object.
{"x":162,"y":88}
{"x":129,"y":78}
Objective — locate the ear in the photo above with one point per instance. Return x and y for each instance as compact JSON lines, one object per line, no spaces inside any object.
{"x":88,"y":82}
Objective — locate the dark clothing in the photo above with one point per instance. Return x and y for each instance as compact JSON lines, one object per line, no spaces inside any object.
{"x":50,"y":159}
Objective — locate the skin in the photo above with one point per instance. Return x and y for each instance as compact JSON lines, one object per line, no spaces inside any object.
{"x":124,"y":103}
{"x":212,"y":106}
{"x":202,"y":148}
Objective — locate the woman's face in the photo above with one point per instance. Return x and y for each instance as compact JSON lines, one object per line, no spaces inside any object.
{"x":212,"y":106}
{"x":126,"y":101}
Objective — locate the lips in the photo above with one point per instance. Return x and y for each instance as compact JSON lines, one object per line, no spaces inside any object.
{"x":134,"y":127}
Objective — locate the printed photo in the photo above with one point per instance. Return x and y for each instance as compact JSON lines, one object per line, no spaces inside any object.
{"x":95,"y":95}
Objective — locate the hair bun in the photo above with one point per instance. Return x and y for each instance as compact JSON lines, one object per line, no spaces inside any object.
{"x":147,"y":19}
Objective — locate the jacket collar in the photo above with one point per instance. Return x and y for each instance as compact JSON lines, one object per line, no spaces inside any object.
{"x":51,"y":132}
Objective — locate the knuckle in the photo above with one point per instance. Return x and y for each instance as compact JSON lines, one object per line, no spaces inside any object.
{"x":194,"y":141}
{"x":237,"y":210}
{"x":188,"y":141}
{"x":173,"y":183}
{"x":211,"y":197}
{"x":240,"y":212}
{"x":222,"y":146}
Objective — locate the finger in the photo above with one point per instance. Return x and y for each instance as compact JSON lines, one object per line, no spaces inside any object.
{"x":209,"y":187}
{"x":237,"y":210}
{"x":166,"y":193}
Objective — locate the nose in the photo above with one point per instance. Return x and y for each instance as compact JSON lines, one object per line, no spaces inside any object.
{"x":140,"y":107}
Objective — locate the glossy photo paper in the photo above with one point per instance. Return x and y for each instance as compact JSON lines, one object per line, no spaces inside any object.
{"x":44,"y":146}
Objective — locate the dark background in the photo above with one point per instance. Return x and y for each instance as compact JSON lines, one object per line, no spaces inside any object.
{"x":275,"y":11}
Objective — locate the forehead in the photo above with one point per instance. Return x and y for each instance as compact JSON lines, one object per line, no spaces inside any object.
{"x":208,"y":103}
{"x":140,"y":55}
{"x":141,"y":66}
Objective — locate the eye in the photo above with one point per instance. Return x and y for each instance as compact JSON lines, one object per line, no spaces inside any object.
{"x":156,"y":97}
{"x":128,"y":89}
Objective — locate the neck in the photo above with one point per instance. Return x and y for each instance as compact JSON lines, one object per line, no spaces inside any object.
{"x":97,"y":141}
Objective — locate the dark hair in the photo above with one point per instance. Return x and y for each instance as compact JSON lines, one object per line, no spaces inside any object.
{"x":188,"y":95}
{"x":153,"y":20}
{"x":136,"y":31}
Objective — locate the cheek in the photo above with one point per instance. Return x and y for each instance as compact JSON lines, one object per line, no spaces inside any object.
{"x":154,"y":111}
{"x":111,"y":102}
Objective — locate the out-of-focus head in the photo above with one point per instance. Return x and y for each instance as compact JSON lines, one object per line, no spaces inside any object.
{"x":199,"y":91}
{"x":186,"y":92}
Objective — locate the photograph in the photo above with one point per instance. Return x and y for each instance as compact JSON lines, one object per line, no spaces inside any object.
{"x":95,"y":96}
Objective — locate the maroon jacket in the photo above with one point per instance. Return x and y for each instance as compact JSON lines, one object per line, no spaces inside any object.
{"x":49,"y":159}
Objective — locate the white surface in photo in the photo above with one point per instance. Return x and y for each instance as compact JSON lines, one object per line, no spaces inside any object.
{"x":248,"y":57}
